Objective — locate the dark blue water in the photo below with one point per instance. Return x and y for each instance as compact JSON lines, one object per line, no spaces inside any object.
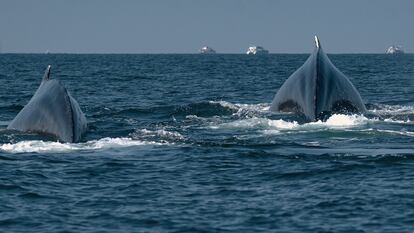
{"x":185,"y":143}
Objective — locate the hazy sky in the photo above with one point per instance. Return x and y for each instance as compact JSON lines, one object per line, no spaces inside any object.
{"x":183,"y":26}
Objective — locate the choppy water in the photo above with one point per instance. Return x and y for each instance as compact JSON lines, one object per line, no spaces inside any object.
{"x":185,"y":143}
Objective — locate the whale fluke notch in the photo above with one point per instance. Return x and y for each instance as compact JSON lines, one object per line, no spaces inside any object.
{"x":317,"y":89}
{"x":52,"y":111}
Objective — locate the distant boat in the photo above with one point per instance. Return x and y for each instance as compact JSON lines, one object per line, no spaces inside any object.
{"x":47,"y":52}
{"x":395,"y":49}
{"x":257,"y":50}
{"x":207,"y":50}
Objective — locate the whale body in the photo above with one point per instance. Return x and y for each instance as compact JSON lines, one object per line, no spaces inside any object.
{"x":52,"y":111}
{"x":318,"y":89}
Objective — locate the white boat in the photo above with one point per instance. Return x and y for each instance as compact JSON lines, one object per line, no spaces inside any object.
{"x":395,"y":49}
{"x":207,"y":50}
{"x":257,"y":50}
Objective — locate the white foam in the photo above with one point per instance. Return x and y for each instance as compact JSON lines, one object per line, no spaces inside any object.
{"x":161,"y":133}
{"x":225,"y":104}
{"x":381,"y":109}
{"x":192,"y":117}
{"x":342,"y":121}
{"x":398,"y":121}
{"x":256,"y":122}
{"x":335,"y":121}
{"x":39,"y":146}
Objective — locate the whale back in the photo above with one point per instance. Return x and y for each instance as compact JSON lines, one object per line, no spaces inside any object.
{"x":316,"y":89}
{"x":53,"y":111}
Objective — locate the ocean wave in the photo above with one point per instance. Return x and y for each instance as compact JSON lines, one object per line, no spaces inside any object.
{"x":4,"y":123}
{"x":204,"y":109}
{"x":39,"y":146}
{"x":335,"y":122}
{"x":236,"y":106}
{"x":244,"y":109}
{"x":256,"y":122}
{"x":158,"y":134}
{"x":384,"y":109}
{"x":395,"y":132}
{"x":389,"y":113}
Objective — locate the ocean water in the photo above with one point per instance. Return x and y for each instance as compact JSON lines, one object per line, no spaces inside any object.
{"x":186,"y":143}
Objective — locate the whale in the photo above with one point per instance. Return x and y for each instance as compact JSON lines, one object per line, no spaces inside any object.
{"x":51,"y":111}
{"x":317,"y":90}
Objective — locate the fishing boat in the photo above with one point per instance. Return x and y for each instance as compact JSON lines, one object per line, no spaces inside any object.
{"x":256,"y":50}
{"x":395,"y":49}
{"x":207,"y":50}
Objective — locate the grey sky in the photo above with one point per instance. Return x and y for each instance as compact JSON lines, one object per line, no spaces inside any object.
{"x":183,"y":26}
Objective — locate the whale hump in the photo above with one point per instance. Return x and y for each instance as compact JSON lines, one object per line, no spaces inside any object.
{"x":317,"y":89}
{"x":53,"y":111}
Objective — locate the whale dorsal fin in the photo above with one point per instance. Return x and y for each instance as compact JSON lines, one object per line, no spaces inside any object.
{"x":46,"y":76}
{"x":317,"y":43}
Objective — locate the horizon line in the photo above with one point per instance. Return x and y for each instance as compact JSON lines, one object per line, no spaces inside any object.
{"x":174,"y":53}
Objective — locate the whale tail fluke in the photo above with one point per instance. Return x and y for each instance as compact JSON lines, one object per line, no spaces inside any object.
{"x":317,"y":42}
{"x":51,"y":111}
{"x":316,"y":89}
{"x":46,"y":76}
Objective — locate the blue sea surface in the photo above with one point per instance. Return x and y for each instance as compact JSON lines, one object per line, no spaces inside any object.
{"x":186,"y":143}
